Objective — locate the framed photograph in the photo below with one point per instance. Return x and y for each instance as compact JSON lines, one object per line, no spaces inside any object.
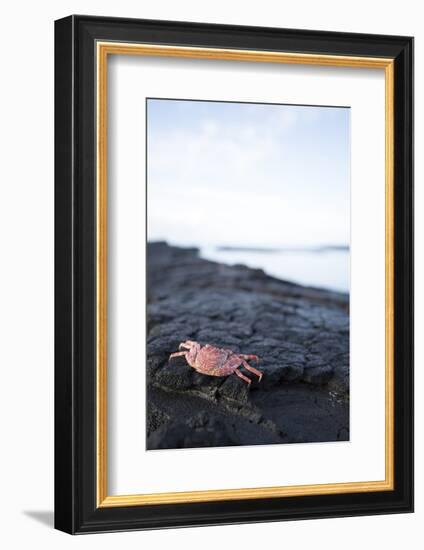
{"x":234,"y":274}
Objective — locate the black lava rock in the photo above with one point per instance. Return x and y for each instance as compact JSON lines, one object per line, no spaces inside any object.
{"x":300,"y":334}
{"x":198,"y":431}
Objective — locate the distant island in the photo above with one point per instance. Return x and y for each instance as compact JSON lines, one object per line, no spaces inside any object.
{"x":264,"y":249}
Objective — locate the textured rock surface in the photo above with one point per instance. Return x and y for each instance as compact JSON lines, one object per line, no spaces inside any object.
{"x":300,"y":334}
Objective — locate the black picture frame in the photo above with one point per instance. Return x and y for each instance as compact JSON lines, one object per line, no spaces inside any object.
{"x":76,"y":509}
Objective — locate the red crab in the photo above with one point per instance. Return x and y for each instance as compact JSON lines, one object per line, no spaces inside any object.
{"x":215,"y":361}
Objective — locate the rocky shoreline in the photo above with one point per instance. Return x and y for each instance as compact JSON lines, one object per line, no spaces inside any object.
{"x":300,"y":334}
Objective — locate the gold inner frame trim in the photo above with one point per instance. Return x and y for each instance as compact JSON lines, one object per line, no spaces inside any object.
{"x":103,"y":50}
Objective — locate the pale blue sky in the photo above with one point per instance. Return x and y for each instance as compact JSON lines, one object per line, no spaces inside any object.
{"x":248,"y":174}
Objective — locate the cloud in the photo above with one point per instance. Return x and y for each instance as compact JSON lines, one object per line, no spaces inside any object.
{"x":264,"y":176}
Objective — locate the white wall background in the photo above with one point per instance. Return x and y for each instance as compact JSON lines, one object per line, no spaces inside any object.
{"x":26,"y":274}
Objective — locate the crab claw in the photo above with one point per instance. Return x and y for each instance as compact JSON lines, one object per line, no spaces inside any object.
{"x":188,"y":344}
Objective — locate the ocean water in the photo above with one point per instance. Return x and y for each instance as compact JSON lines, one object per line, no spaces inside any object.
{"x":326,"y":268}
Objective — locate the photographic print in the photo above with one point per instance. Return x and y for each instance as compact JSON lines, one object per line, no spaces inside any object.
{"x":230,"y":295}
{"x":248,"y":273}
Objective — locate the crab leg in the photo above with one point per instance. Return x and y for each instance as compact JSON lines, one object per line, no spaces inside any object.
{"x":178,"y":354}
{"x":185,"y":345}
{"x":240,"y":375}
{"x":243,"y":356}
{"x":252,"y":369}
